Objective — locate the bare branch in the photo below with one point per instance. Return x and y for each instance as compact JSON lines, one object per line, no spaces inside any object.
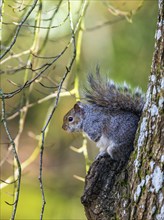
{"x":10,"y":182}
{"x":28,"y":83}
{"x":18,"y":29}
{"x":11,"y":204}
{"x":15,"y":156}
{"x":37,"y":76}
{"x":15,"y":56}
{"x":44,"y":130}
{"x":48,"y":97}
{"x":42,"y":27}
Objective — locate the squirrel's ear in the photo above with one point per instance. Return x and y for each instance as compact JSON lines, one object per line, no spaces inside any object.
{"x":78,"y":107}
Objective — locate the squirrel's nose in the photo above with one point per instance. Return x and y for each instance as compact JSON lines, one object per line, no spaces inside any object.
{"x":64,"y":127}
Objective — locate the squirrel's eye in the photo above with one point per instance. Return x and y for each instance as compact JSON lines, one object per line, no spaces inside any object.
{"x":70,"y":118}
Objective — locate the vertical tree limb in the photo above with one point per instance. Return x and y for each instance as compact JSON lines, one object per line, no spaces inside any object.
{"x":147,"y":195}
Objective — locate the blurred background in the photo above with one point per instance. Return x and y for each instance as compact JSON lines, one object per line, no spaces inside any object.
{"x":117,"y":35}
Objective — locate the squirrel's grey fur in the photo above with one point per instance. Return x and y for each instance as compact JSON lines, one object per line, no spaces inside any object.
{"x":110,"y":117}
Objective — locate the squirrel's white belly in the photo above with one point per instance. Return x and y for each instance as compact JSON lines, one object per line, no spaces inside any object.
{"x":104,"y":143}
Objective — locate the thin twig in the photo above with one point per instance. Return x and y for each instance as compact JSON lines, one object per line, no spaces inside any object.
{"x":68,"y":69}
{"x":7,"y":182}
{"x":48,"y":97}
{"x":40,"y":176}
{"x":18,"y":29}
{"x":14,"y":70}
{"x":15,"y":56}
{"x":40,"y":27}
{"x":15,"y":156}
{"x":28,"y":83}
{"x":50,"y":24}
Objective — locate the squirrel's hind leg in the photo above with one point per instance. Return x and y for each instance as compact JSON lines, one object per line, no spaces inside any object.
{"x":101,"y":154}
{"x":120,"y":151}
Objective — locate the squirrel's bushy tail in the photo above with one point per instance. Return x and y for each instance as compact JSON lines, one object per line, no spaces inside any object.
{"x":113,"y":97}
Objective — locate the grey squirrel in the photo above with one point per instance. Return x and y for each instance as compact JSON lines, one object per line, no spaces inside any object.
{"x":109,"y":117}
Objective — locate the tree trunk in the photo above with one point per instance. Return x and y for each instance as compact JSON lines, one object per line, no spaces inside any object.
{"x":114,"y":190}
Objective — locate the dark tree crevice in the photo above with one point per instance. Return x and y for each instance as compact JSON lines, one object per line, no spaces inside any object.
{"x":102,"y":189}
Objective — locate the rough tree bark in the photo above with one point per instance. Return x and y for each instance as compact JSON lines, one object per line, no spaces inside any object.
{"x":114,"y":190}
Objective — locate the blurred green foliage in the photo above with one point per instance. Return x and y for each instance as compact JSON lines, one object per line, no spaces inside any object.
{"x":59,"y":205}
{"x":122,"y":49}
